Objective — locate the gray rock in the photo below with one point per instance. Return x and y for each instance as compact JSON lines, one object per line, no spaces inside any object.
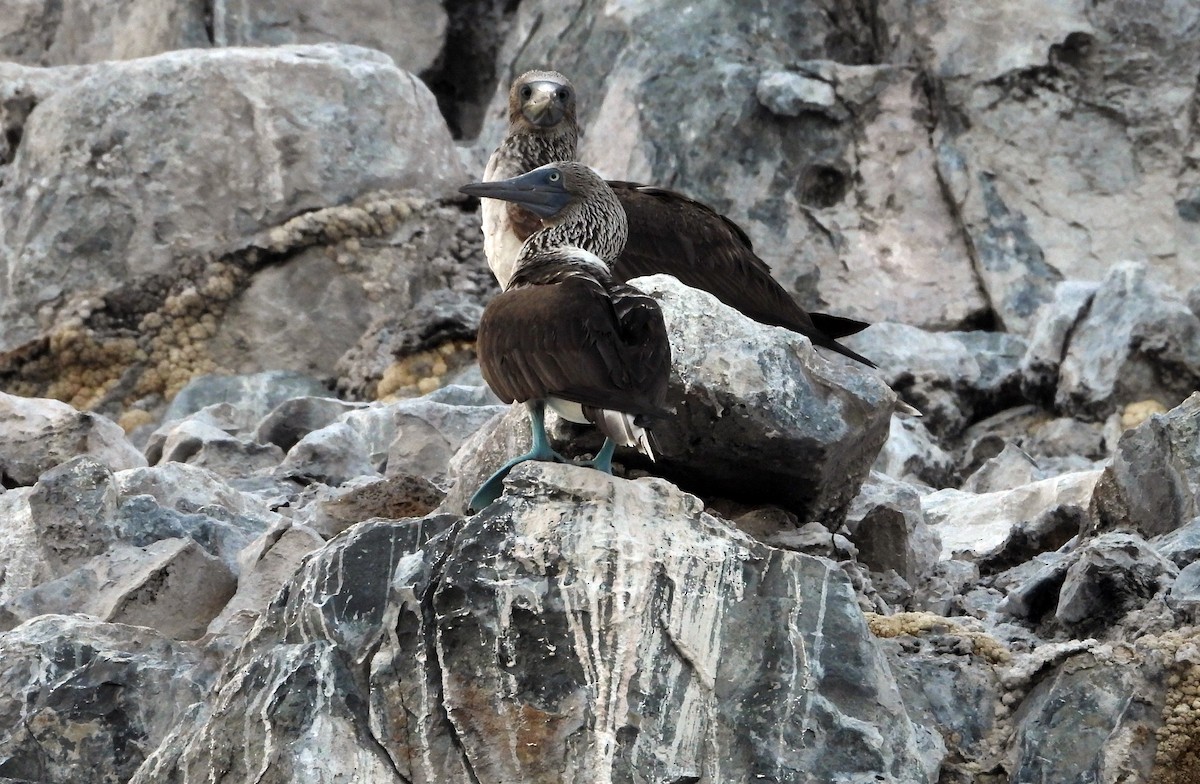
{"x":82,"y":700}
{"x":411,"y":32}
{"x":88,"y":31}
{"x":1109,"y":576}
{"x":1050,"y":337}
{"x":266,"y":566}
{"x":37,"y":434}
{"x":1011,"y":468}
{"x":1135,"y":339}
{"x":425,"y":605}
{"x":72,"y":509}
{"x":759,"y":415}
{"x":1087,"y":719}
{"x":1087,"y":591}
{"x":208,"y":439}
{"x":788,"y":94}
{"x":953,"y":378}
{"x":911,"y":454}
{"x":392,"y":498}
{"x":1181,"y":546}
{"x":190,"y":489}
{"x":128,"y":120}
{"x":250,"y":397}
{"x":983,"y":525}
{"x":414,"y":437}
{"x":172,"y":586}
{"x":140,"y":520}
{"x":332,"y":455}
{"x":1153,"y":482}
{"x":887,"y":526}
{"x":1048,"y":137}
{"x":1185,"y":591}
{"x":946,"y":582}
{"x":293,"y":419}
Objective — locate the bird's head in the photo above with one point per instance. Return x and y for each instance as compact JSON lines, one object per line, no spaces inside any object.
{"x":541,"y":100}
{"x":569,"y":198}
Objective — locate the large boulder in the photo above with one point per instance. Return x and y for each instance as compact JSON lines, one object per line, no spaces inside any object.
{"x":427,"y":650}
{"x":145,"y":199}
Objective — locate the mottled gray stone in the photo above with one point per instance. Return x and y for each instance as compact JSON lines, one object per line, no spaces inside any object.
{"x":759,"y":415}
{"x":1181,"y":546}
{"x":141,"y":520}
{"x":1133,"y":339}
{"x":1011,"y":468}
{"x":1049,"y":339}
{"x":1185,"y":591}
{"x":1107,"y":577}
{"x":172,"y":586}
{"x":208,"y":438}
{"x":1087,"y":719}
{"x":293,"y":419}
{"x":396,"y":497}
{"x":82,"y":700}
{"x":788,"y":94}
{"x":250,"y":397}
{"x":911,"y":454}
{"x":43,"y":32}
{"x":423,"y":607}
{"x":38,"y":434}
{"x":986,"y":525}
{"x":953,"y":378}
{"x":1153,"y":481}
{"x":411,"y":32}
{"x":332,"y":455}
{"x":189,"y":489}
{"x":887,"y":526}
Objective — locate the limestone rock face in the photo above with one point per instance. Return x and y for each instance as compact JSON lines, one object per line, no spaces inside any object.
{"x":44,"y":32}
{"x":411,"y":32}
{"x":82,"y":700}
{"x":474,"y":637}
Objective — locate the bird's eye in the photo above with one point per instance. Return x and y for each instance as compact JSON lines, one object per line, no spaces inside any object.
{"x":554,"y":176}
{"x":562,"y":94}
{"x":526,"y":91}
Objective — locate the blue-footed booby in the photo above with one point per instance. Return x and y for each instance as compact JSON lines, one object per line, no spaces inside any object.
{"x":668,"y":232}
{"x":564,"y":332}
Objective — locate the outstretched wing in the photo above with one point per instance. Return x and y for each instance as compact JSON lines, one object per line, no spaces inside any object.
{"x":673,"y":234}
{"x":600,"y":346}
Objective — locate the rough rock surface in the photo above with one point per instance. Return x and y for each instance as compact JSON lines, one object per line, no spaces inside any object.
{"x":476,"y":637}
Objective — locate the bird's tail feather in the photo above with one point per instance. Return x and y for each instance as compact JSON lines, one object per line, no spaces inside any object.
{"x":621,"y":428}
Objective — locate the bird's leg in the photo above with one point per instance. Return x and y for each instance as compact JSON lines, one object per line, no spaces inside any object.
{"x":541,"y":450}
{"x":603,"y":459}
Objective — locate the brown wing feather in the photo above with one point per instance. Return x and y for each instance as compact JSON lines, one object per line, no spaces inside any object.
{"x":670,"y":233}
{"x":577,"y":341}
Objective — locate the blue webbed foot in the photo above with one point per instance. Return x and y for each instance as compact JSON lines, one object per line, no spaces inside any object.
{"x":603,"y":459}
{"x":491,"y":489}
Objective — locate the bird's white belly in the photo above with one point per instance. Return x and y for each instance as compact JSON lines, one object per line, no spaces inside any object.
{"x":568,"y":410}
{"x":500,"y":243}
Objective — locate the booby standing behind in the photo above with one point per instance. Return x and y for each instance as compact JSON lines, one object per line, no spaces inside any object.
{"x":668,"y":232}
{"x":563,"y":332}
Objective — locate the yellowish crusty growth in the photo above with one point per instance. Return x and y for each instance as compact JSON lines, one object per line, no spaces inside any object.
{"x":914,"y":624}
{"x":1177,"y":758}
{"x":424,"y":371}
{"x":152,"y":338}
{"x":1135,"y":414}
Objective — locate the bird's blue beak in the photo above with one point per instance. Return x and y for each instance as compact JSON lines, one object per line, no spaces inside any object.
{"x":537,"y":191}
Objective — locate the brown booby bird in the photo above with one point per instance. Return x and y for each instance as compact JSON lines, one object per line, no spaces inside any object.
{"x":564,"y":332}
{"x":668,"y":232}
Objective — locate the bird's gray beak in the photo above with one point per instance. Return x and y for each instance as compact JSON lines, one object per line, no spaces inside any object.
{"x":543,"y":108}
{"x":531,"y":191}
